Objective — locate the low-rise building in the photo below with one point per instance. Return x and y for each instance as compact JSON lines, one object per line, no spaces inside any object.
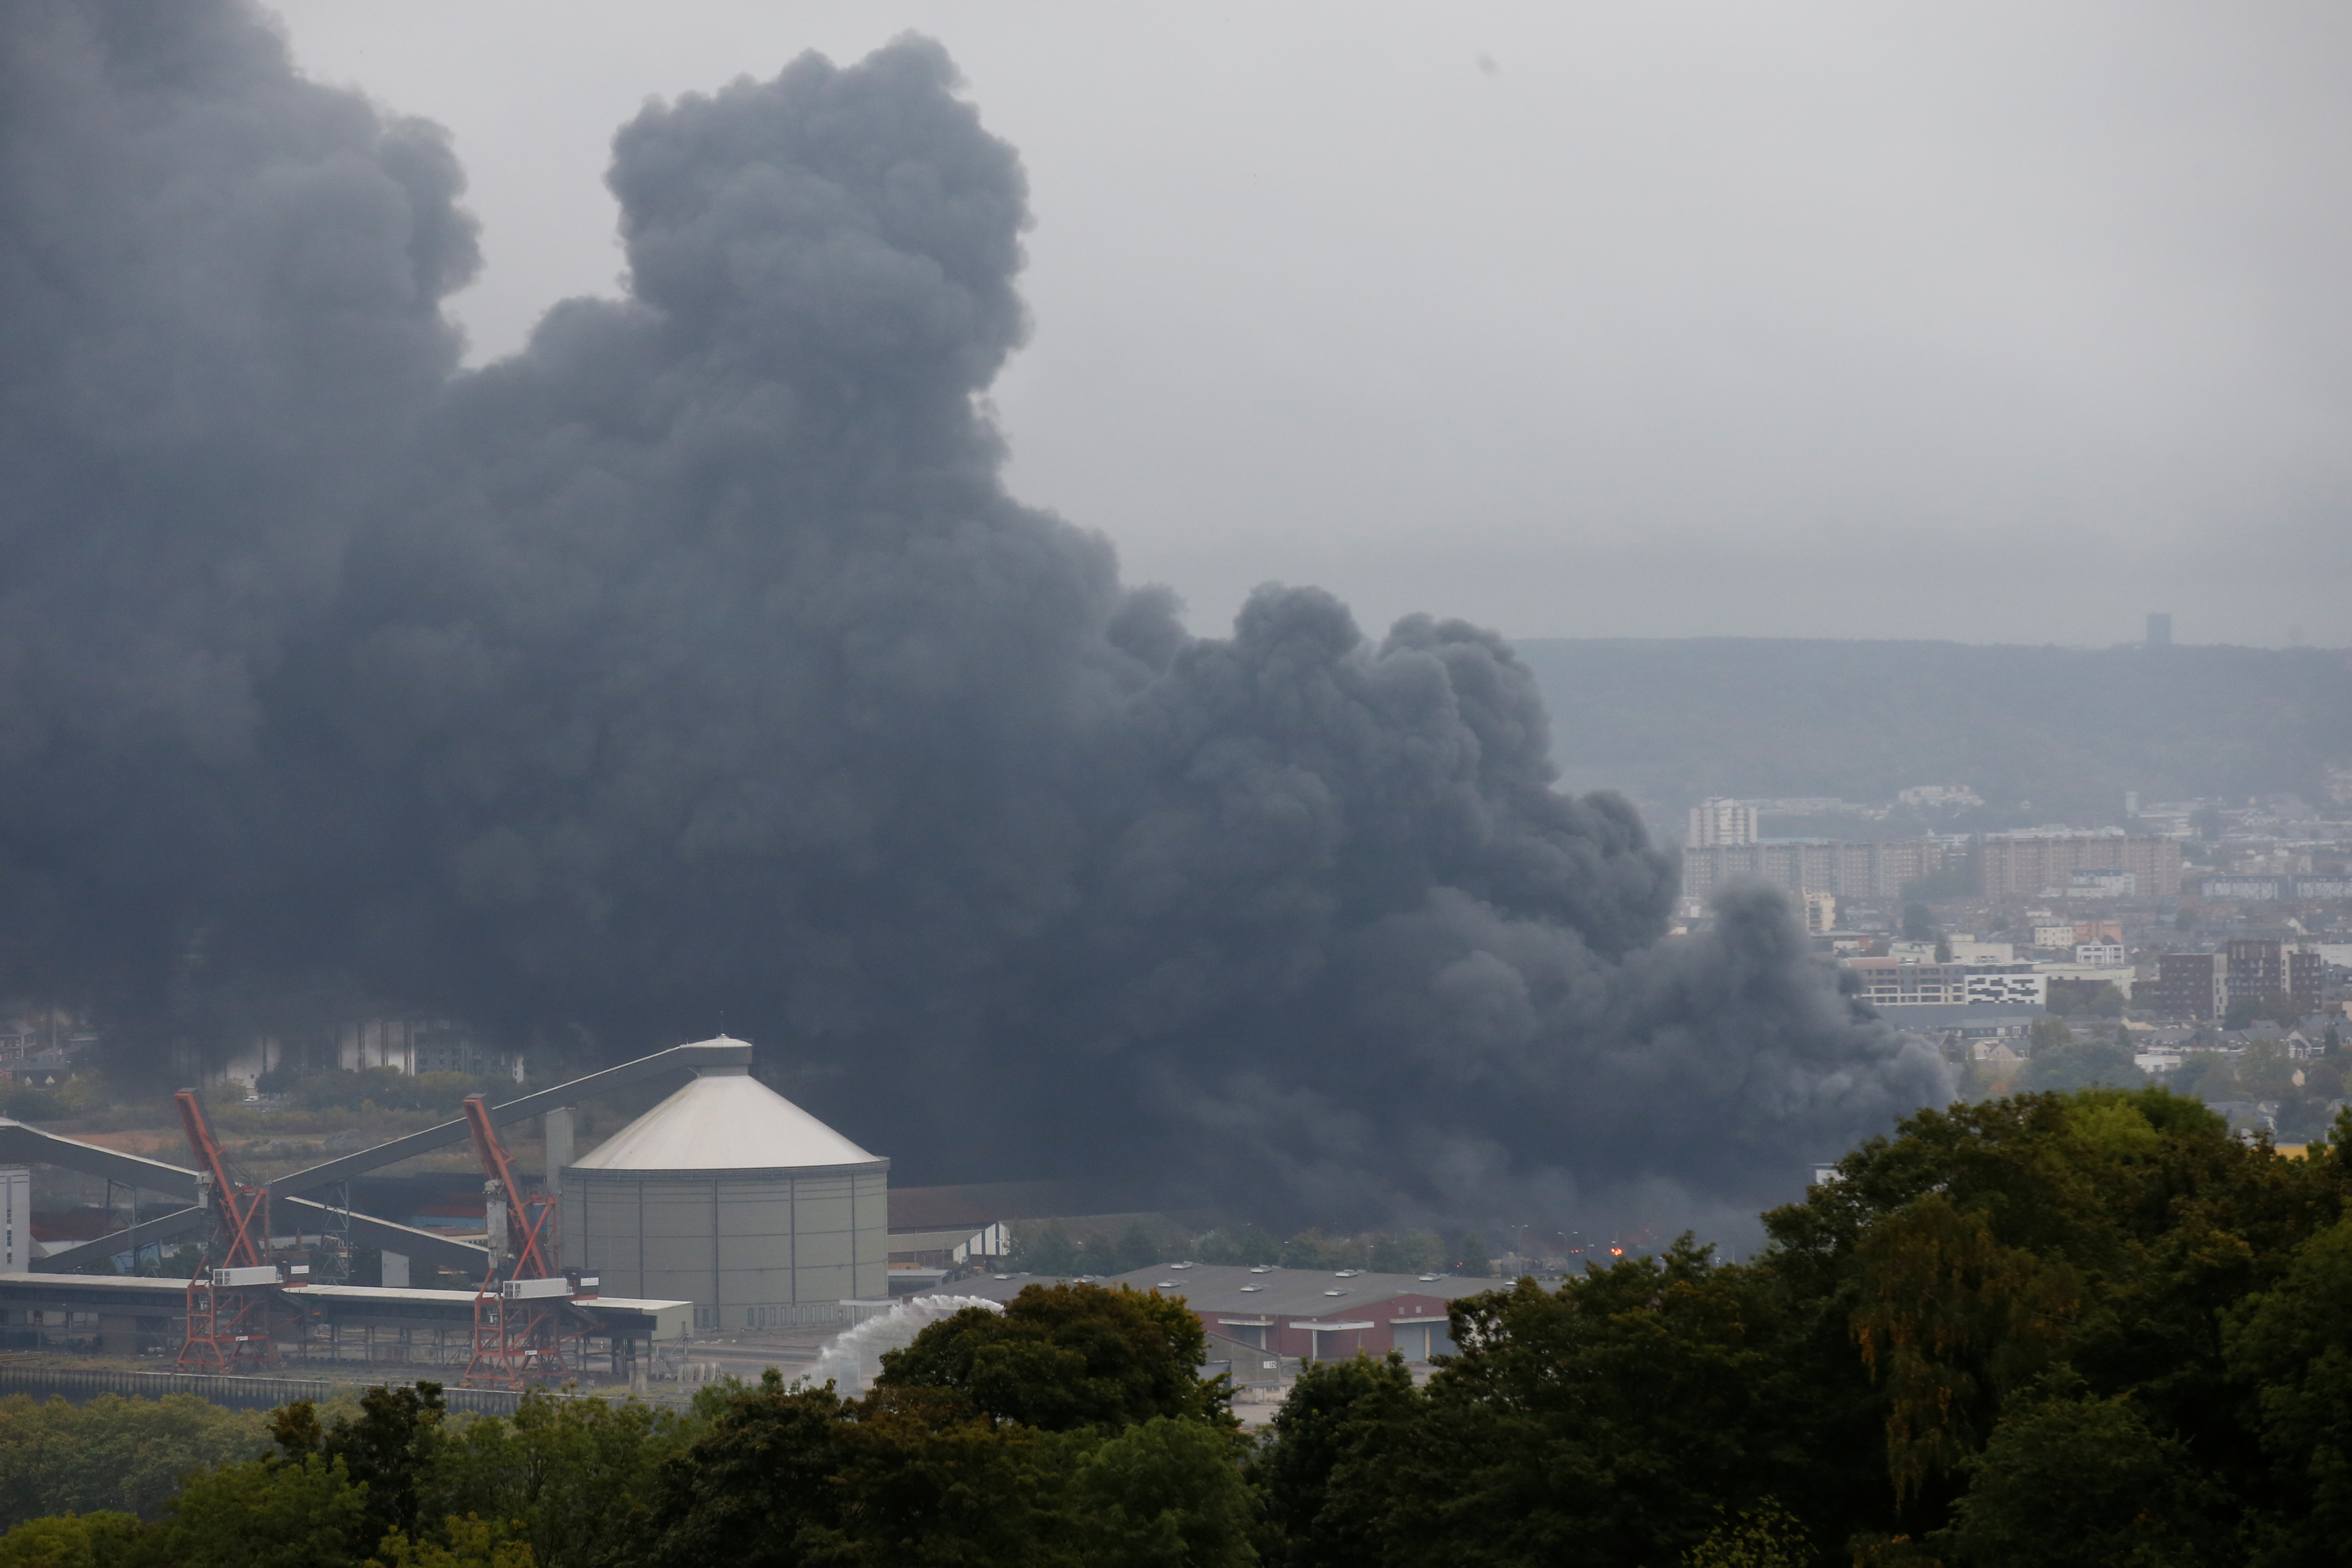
{"x":1911,"y":982}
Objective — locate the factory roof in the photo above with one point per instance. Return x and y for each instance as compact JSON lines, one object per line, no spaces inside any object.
{"x":1272,"y":1292}
{"x":725,"y":1119}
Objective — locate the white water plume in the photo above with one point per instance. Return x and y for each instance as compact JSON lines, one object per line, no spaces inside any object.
{"x":852,"y":1358}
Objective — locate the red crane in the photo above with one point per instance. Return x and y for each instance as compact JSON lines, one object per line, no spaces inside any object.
{"x":234,"y":1302}
{"x":523,"y":1315}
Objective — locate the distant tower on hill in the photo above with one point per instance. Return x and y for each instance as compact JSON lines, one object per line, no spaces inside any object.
{"x":2159,"y":629}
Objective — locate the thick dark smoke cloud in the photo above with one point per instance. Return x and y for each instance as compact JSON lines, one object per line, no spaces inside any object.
{"x":692,"y":667}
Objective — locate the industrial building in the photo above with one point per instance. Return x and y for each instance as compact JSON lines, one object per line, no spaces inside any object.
{"x":724,"y":1207}
{"x":730,"y":1195}
{"x":1315,"y":1313}
{"x":359,"y":1324}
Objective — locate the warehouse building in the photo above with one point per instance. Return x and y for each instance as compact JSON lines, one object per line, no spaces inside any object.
{"x":1284,"y":1313}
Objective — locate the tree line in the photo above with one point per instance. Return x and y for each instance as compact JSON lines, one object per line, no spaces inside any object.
{"x":2054,"y":1329}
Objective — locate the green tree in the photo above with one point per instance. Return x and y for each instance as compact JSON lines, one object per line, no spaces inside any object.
{"x":1325,"y":1418}
{"x":468,"y":1543}
{"x":576,"y":1479}
{"x":1476,"y":1256}
{"x":759,"y":1491}
{"x":1415,"y":1252}
{"x":2267,"y":1071}
{"x":2048,"y":1033}
{"x":1313,"y":1249}
{"x":114,"y":1454}
{"x":1044,"y":1248}
{"x":1764,"y":1536}
{"x":2067,"y":1478}
{"x":2292,"y":1345}
{"x":1603,"y":1423}
{"x":1219,"y":1246}
{"x":270,"y":1513}
{"x":1251,"y":1247}
{"x":99,"y":1540}
{"x":1065,"y":1356}
{"x":801,"y":1478}
{"x":2106,"y":1230}
{"x":2240,"y":1012}
{"x":386,"y":1450}
{"x":1164,"y":1494}
{"x":1137,"y":1248}
{"x":1918,"y":921}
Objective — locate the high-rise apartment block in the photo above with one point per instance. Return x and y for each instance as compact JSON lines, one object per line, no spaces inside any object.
{"x":2193,"y":984}
{"x":2262,"y":967}
{"x":2257,"y":967}
{"x":1813,"y":866}
{"x":2026,"y":867}
{"x":1717,"y":821}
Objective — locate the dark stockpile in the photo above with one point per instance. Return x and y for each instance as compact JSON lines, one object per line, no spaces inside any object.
{"x":693,"y":665}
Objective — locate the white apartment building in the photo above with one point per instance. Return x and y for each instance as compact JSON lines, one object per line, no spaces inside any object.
{"x":1715,"y":821}
{"x":2099,"y":954}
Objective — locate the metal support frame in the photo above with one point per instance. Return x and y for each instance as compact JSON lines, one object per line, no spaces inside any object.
{"x":677,"y":1058}
{"x":518,"y":1340}
{"x":228,"y":1325}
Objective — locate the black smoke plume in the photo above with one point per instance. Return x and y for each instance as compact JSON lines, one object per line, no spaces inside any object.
{"x":693,"y":666}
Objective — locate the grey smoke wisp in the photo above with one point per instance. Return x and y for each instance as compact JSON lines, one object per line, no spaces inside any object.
{"x":693,"y":665}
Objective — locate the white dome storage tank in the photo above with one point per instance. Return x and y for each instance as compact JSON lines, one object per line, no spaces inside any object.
{"x":731,"y":1196}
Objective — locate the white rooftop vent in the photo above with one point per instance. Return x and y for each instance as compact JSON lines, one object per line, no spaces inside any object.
{"x":725,"y":1119}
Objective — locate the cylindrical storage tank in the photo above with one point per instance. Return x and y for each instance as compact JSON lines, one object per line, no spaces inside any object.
{"x":729,"y":1195}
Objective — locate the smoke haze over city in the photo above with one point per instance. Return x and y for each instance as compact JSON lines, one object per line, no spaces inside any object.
{"x":692,"y":665}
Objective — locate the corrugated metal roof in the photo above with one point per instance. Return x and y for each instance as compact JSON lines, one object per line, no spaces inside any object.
{"x":1235,"y":1290}
{"x":725,"y":1119}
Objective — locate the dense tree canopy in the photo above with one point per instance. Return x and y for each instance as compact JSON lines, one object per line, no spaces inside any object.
{"x":1064,"y":1356}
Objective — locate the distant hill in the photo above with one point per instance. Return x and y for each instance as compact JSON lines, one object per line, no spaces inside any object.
{"x":2045,"y":735}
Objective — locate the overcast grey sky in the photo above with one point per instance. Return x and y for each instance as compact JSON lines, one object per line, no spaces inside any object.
{"x":1996,"y":321}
